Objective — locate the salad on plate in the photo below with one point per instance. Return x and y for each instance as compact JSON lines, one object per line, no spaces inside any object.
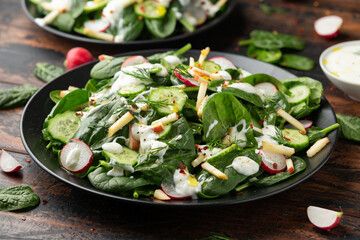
{"x":171,"y":127}
{"x":126,"y":20}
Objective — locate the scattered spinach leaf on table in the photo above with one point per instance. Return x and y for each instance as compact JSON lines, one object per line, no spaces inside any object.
{"x":349,"y":127}
{"x":16,"y":96}
{"x":47,"y":71}
{"x":296,"y":62}
{"x":17,"y":197}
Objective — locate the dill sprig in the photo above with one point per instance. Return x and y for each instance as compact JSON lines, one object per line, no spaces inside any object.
{"x":141,"y":73}
{"x":182,"y":70}
{"x":154,"y":151}
{"x":279,"y":137}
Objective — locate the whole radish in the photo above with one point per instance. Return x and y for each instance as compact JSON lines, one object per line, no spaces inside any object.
{"x":76,"y":57}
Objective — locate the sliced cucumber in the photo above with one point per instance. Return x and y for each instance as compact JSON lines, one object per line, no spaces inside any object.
{"x":168,"y":100}
{"x":165,"y":132}
{"x":150,"y":9}
{"x":211,"y":67}
{"x":126,"y":157}
{"x":295,"y":139}
{"x":64,"y":125}
{"x":96,"y":5}
{"x":299,"y":93}
{"x":222,"y":153}
{"x":131,"y":90}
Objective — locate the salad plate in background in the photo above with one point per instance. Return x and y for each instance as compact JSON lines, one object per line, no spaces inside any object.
{"x":104,"y":31}
{"x":33,"y":119}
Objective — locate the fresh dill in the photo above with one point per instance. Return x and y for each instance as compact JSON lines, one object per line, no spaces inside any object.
{"x":141,"y":73}
{"x":154,"y":151}
{"x":279,"y":137}
{"x":182,"y":70}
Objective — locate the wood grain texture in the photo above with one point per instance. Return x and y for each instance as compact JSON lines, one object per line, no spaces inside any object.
{"x":68,"y":213}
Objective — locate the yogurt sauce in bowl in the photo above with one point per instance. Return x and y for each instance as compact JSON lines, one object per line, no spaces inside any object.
{"x":341,"y":65}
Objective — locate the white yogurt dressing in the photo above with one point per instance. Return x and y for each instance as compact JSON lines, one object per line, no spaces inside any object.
{"x":211,"y":126}
{"x":269,"y":131}
{"x":207,"y":151}
{"x":186,"y":184}
{"x":245,"y":165}
{"x":221,"y":75}
{"x":239,"y":136}
{"x":173,"y":60}
{"x":344,"y":62}
{"x":246,"y":87}
{"x":112,"y":147}
{"x":125,"y":80}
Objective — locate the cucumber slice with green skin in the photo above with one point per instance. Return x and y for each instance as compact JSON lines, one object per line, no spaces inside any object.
{"x":64,"y":125}
{"x":211,"y":67}
{"x":131,"y":90}
{"x":168,"y":99}
{"x":126,"y":157}
{"x":165,"y":132}
{"x":222,"y":153}
{"x":150,"y":9}
{"x":299,"y":93}
{"x":295,"y":139}
{"x":97,"y":5}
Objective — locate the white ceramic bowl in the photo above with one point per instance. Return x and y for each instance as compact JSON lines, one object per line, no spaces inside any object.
{"x":352,"y":88}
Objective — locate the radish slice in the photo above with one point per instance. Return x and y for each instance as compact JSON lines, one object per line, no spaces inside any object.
{"x":169,"y":189}
{"x":8,"y":163}
{"x":190,"y":82}
{"x":307,"y":124}
{"x":134,"y":60}
{"x":272,"y":162}
{"x":266,"y":88}
{"x":99,"y":25}
{"x":328,"y":26}
{"x":323,"y":218}
{"x":76,"y":156}
{"x":223,"y":62}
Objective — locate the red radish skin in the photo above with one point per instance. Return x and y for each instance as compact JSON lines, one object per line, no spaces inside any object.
{"x":85,"y":150}
{"x":323,"y":218}
{"x":131,"y":61}
{"x":169,"y":190}
{"x":188,"y":82}
{"x":223,"y":62}
{"x":272,"y":162}
{"x":77,"y":56}
{"x":99,"y":25}
{"x":8,"y":163}
{"x":267,"y":88}
{"x":328,"y":26}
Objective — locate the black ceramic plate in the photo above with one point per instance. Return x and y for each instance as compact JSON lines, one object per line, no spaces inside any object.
{"x":40,"y":105}
{"x":30,"y":11}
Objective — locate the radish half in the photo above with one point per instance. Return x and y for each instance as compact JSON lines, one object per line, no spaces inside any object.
{"x":99,"y":25}
{"x":169,"y":189}
{"x":190,"y":82}
{"x":8,"y":163}
{"x":328,"y":26}
{"x":307,"y":124}
{"x":76,"y":156}
{"x":268,"y":89}
{"x":272,"y":162}
{"x":323,"y":218}
{"x":223,"y":62}
{"x":134,"y":60}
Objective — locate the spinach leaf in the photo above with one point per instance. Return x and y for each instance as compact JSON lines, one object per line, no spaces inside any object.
{"x":261,"y":77}
{"x":268,"y":10}
{"x":107,"y":68}
{"x":269,"y":40}
{"x":278,"y":100}
{"x":299,"y":165}
{"x":17,"y":197}
{"x":156,"y":58}
{"x":55,"y":96}
{"x":297,"y":62}
{"x":164,"y":27}
{"x":265,"y":55}
{"x":316,"y":133}
{"x":303,"y":109}
{"x":181,"y":150}
{"x":16,"y":96}
{"x":71,"y":100}
{"x":249,"y":97}
{"x":222,"y":111}
{"x":129,"y":25}
{"x":121,"y":184}
{"x":64,"y":22}
{"x":94,"y":85}
{"x":213,"y":186}
{"x":47,"y":71}
{"x":350,"y":127}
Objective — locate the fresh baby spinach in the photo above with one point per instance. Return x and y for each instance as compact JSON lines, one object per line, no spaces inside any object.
{"x":265,"y":55}
{"x":270,"y":40}
{"x":349,"y":127}
{"x":47,"y":71}
{"x":17,"y":197}
{"x":16,"y":96}
{"x":107,"y":68}
{"x":296,"y":62}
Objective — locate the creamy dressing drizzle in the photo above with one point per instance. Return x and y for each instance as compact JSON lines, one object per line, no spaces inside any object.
{"x":245,"y":165}
{"x":239,"y":136}
{"x":183,"y":186}
{"x":212,"y":125}
{"x":269,"y":131}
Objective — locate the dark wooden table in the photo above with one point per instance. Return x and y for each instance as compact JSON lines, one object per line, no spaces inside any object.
{"x":68,"y":213}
